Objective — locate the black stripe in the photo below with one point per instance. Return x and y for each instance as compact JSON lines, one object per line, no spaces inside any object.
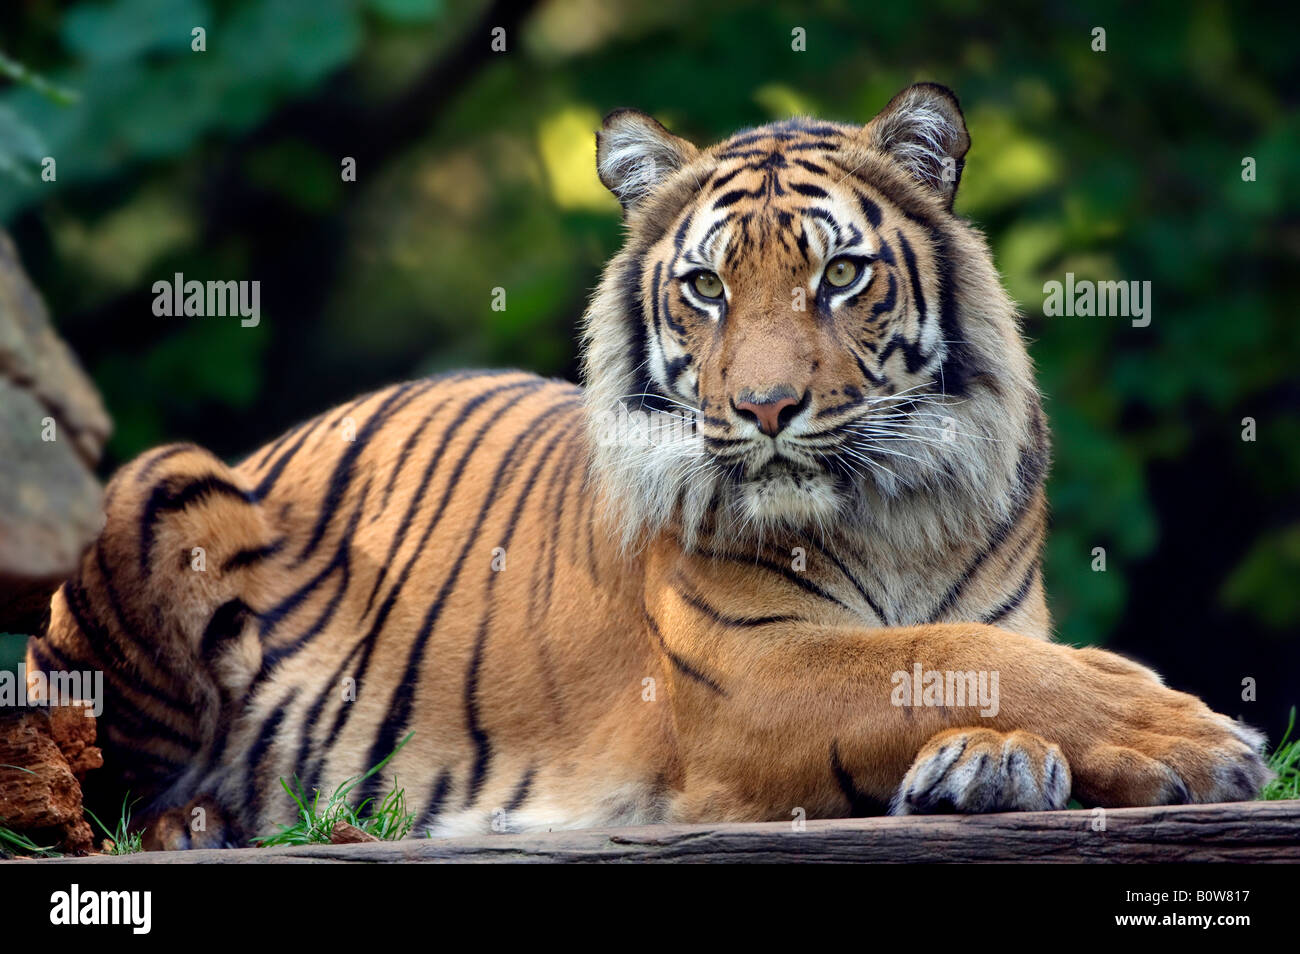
{"x":590,"y":523}
{"x":399,"y":536}
{"x":159,"y":456}
{"x":779,"y":568}
{"x":819,"y":145}
{"x":959,"y":366}
{"x":727,"y":620}
{"x":126,"y":635}
{"x":270,"y":450}
{"x":520,"y":794}
{"x":872,"y":378}
{"x":713,"y":229}
{"x":1012,"y":603}
{"x":347,"y":409}
{"x":914,"y":276}
{"x":660,"y":312}
{"x":679,"y":237}
{"x":551,"y":542}
{"x":675,"y":367}
{"x":870,"y":210}
{"x":342,"y":562}
{"x":407,"y":447}
{"x":366,"y":646}
{"x":224,"y":625}
{"x":637,"y":333}
{"x":857,"y":584}
{"x":251,"y":555}
{"x":254,"y":783}
{"x":48,"y":659}
{"x":680,"y":664}
{"x":118,"y":663}
{"x":441,"y":788}
{"x":267,"y":483}
{"x":1029,"y":475}
{"x":861,"y":805}
{"x":723,"y":180}
{"x":478,"y":735}
{"x":822,"y":215}
{"x":808,"y":189}
{"x":728,"y":199}
{"x":889,"y":301}
{"x":811,"y":166}
{"x":167,"y":497}
{"x":341,"y":478}
{"x":749,"y":137}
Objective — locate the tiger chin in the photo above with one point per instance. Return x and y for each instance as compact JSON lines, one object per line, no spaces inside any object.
{"x":556,"y":623}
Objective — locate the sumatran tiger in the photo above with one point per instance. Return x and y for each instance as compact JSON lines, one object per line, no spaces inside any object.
{"x":797,"y":508}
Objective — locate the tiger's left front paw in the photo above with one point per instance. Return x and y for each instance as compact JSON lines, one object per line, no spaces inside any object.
{"x":982,"y":770}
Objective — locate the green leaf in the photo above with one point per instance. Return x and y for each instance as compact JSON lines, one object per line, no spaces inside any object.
{"x":126,"y":29}
{"x":408,"y":11}
{"x":1264,"y":582}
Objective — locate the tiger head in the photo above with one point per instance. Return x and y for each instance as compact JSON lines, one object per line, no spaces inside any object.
{"x":799,"y":331}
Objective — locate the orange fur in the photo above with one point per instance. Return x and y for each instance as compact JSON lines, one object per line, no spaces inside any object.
{"x":582,"y":632}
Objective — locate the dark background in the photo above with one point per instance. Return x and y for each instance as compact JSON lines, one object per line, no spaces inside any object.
{"x":475,"y":170}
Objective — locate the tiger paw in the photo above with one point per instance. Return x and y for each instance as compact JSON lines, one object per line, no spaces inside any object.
{"x":982,"y":770}
{"x":203,"y":823}
{"x":1156,"y":746}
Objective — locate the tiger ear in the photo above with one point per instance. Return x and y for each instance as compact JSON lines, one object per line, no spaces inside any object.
{"x":635,"y":153}
{"x":923,"y":130}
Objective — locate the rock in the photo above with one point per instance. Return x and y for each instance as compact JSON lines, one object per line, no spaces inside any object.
{"x":74,"y":733}
{"x":49,"y":497}
{"x":40,"y":795}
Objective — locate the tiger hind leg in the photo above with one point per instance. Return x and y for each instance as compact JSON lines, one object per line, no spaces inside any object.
{"x":160,"y":606}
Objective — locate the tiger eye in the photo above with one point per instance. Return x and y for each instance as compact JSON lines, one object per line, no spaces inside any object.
{"x":708,"y":284}
{"x":841,"y":272}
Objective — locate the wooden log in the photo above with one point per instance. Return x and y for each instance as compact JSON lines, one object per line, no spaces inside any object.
{"x":1239,"y":831}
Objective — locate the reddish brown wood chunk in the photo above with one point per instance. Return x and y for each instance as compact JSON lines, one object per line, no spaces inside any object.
{"x":43,"y":756}
{"x":345,"y":834}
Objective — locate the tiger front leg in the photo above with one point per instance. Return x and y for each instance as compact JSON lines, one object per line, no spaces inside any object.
{"x":804,"y":717}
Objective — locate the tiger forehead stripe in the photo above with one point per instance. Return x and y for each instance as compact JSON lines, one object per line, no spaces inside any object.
{"x":732,"y":230}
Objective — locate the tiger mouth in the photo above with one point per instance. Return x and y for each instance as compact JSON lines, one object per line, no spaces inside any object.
{"x":783,"y":466}
{"x":782,"y":470}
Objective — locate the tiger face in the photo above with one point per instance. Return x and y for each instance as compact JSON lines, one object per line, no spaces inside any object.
{"x":796,"y":292}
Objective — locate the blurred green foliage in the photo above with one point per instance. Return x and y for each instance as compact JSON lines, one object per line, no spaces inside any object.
{"x":1123,"y":164}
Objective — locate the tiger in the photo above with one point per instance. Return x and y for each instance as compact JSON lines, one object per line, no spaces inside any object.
{"x":805,"y":470}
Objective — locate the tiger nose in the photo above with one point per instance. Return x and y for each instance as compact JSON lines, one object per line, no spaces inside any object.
{"x":772,"y":411}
